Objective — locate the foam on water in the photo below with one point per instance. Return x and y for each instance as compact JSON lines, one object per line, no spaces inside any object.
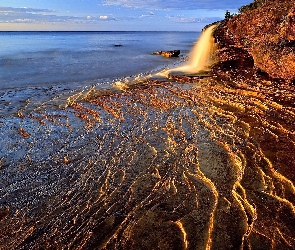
{"x":200,"y":57}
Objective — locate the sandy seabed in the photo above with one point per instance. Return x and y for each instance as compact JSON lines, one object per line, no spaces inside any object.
{"x":185,"y":163}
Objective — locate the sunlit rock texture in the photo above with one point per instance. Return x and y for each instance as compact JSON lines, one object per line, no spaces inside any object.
{"x":267,"y":34}
{"x":196,"y":165}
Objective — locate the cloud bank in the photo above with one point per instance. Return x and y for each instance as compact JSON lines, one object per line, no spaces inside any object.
{"x":118,"y":14}
{"x":177,"y":4}
{"x":31,"y":15}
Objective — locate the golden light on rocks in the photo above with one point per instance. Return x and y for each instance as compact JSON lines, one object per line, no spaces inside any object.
{"x":203,"y":165}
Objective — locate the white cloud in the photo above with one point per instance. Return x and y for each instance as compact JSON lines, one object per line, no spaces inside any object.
{"x":184,"y":19}
{"x":24,"y":10}
{"x":140,"y":14}
{"x":177,"y":4}
{"x":31,"y":15}
{"x":150,"y":14}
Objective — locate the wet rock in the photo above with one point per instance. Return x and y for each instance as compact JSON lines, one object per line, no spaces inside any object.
{"x":4,"y":212}
{"x":172,"y":53}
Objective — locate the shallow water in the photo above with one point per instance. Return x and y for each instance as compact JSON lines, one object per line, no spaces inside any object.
{"x":48,"y":67}
{"x":48,"y":58}
{"x":200,"y":163}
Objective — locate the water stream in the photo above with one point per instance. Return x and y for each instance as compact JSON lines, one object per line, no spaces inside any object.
{"x":200,"y":58}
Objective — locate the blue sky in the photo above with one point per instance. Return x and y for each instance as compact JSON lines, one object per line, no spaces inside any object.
{"x":114,"y":15}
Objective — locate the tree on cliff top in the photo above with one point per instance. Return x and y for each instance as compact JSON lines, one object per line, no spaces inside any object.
{"x":227,"y":15}
{"x":256,"y":4}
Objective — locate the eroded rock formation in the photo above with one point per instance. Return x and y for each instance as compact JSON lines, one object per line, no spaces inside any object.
{"x":265,"y":35}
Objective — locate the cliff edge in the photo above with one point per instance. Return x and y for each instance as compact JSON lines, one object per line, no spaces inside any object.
{"x":262,"y":39}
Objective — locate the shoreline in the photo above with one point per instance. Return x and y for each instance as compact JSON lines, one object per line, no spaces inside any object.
{"x":167,"y":163}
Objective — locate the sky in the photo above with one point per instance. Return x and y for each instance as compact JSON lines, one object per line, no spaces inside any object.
{"x":113,"y":15}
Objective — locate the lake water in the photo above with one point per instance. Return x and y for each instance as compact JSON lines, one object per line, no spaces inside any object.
{"x":34,"y":59}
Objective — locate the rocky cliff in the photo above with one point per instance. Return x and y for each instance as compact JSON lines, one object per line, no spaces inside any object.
{"x":262,"y":38}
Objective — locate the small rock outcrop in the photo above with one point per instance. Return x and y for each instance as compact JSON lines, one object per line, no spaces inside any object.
{"x":171,"y":53}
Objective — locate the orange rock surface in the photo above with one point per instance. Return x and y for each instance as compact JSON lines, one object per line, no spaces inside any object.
{"x":267,"y":34}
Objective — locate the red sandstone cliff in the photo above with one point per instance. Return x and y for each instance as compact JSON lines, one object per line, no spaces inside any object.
{"x":264,"y":37}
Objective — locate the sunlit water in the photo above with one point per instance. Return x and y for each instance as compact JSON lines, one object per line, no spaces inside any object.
{"x":40,"y":66}
{"x":48,"y":58}
{"x":195,"y":164}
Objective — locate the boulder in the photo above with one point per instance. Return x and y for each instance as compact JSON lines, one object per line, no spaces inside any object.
{"x":171,"y":53}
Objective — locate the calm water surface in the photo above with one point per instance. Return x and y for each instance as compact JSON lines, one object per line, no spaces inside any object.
{"x":34,"y":59}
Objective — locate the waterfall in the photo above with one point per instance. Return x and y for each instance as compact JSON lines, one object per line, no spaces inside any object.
{"x":200,"y":58}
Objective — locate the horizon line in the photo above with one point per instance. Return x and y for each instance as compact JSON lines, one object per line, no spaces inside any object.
{"x":99,"y":31}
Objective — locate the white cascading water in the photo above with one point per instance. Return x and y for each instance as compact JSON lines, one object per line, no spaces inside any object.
{"x":200,"y":57}
{"x":200,"y":60}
